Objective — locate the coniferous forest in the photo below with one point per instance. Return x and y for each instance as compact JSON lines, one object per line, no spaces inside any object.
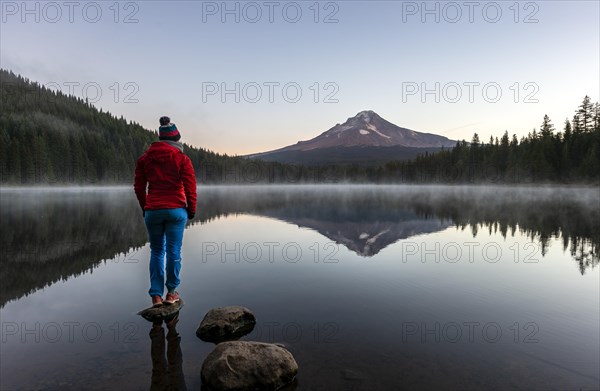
{"x":571,"y":154}
{"x":47,"y":137}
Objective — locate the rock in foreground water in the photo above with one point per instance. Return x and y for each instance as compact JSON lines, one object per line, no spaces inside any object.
{"x":226,"y":324}
{"x":154,"y":314}
{"x":246,"y":365}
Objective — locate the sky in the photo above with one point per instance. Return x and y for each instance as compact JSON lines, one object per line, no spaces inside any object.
{"x":241,"y":77}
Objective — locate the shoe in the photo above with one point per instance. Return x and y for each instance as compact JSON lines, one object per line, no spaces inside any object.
{"x":172,"y":298}
{"x":157,"y":301}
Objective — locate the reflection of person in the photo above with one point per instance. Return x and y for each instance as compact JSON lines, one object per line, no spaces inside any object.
{"x":167,"y":374}
{"x":170,"y":201}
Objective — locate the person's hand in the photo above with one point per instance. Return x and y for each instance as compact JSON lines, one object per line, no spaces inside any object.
{"x":190,"y":215}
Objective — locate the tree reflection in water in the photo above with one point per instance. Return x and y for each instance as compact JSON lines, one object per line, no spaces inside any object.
{"x":52,"y":235}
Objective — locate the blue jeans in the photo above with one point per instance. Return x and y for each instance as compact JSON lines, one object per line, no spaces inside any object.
{"x":165,"y":232}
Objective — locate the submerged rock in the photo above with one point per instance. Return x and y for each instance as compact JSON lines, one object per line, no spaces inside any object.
{"x":247,"y":365}
{"x":226,"y":324}
{"x":153,"y":314}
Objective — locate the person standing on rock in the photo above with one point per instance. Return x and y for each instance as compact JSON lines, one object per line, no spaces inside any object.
{"x":170,"y":200}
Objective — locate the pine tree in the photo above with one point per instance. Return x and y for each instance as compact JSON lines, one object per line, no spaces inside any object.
{"x":567,"y":128}
{"x":577,"y":124}
{"x":504,"y":141}
{"x":597,"y":117}
{"x":547,"y":128}
{"x":586,"y":115}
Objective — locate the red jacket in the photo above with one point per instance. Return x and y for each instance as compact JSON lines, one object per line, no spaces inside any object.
{"x":170,"y":177}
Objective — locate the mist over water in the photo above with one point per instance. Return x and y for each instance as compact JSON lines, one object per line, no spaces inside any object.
{"x":371,"y":287}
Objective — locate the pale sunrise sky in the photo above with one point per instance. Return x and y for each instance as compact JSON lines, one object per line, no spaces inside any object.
{"x":145,"y":59}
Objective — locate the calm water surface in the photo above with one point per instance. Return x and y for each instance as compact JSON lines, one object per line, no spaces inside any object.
{"x":371,"y":288}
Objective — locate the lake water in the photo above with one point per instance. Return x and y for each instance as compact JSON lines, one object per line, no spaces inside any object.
{"x":370,"y":287}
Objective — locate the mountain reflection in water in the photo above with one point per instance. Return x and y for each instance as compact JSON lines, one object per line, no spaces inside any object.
{"x":51,"y":235}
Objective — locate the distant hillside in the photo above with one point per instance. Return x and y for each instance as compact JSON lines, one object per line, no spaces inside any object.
{"x":48,"y":137}
{"x":365,"y":139}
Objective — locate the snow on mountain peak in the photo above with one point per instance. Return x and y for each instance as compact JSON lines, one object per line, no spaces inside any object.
{"x":365,"y":115}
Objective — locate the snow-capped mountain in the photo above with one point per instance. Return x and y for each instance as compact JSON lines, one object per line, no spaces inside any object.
{"x":366,"y":136}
